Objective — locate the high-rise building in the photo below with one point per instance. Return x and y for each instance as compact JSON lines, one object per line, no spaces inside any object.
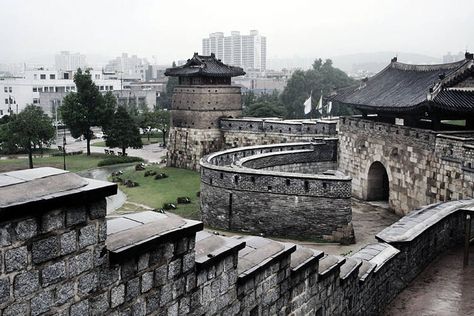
{"x":65,"y":61}
{"x":247,"y":51}
{"x":129,"y":67}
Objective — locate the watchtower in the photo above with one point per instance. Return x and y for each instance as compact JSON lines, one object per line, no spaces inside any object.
{"x":203,"y":96}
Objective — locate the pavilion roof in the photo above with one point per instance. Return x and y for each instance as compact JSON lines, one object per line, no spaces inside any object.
{"x":206,"y":66}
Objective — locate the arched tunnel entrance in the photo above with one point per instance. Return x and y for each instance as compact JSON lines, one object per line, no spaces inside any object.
{"x":377,"y":183}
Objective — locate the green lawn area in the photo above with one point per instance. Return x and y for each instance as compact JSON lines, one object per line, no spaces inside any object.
{"x":155,"y":193}
{"x":153,"y":140}
{"x":73,"y":163}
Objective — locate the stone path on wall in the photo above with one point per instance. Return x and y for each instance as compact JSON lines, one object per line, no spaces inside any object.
{"x":443,"y":288}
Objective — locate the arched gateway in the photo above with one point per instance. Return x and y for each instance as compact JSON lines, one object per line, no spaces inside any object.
{"x":377,"y":183}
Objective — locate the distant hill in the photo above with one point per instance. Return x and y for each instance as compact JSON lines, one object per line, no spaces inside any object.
{"x":374,"y":62}
{"x":353,"y":63}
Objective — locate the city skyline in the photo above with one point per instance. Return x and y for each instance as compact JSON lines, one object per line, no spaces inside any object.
{"x":304,"y":29}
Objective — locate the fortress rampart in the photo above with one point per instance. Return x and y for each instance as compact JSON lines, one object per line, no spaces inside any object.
{"x":423,"y":166}
{"x":237,"y":193}
{"x":61,"y":255}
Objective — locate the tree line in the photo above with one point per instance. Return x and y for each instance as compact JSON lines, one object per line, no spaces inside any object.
{"x":321,"y":79}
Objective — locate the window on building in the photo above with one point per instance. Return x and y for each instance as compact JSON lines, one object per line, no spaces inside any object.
{"x":101,"y":88}
{"x":111,"y":88}
{"x":36,"y":101}
{"x":1,"y":112}
{"x":42,"y":76}
{"x":52,"y":76}
{"x":35,"y":89}
{"x":6,"y":101}
{"x":45,"y":89}
{"x":66,"y":76}
{"x":5,"y":89}
{"x":10,"y":89}
{"x":97,"y":76}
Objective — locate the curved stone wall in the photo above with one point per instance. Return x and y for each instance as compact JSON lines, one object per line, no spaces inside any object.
{"x":237,"y":193}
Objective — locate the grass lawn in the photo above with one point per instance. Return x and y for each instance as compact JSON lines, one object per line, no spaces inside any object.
{"x":73,"y":163}
{"x":155,"y":193}
{"x":455,"y":122}
{"x":153,"y":140}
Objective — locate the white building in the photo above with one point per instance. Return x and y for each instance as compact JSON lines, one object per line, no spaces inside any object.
{"x":129,"y":67}
{"x":247,"y":51}
{"x":16,"y":93}
{"x":65,"y":61}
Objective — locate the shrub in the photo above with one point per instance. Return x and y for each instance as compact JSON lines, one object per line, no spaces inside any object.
{"x":169,"y":206}
{"x":183,"y":200}
{"x":161,"y":176}
{"x":116,"y":160}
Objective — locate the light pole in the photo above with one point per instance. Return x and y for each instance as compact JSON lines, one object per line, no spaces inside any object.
{"x":64,"y":146}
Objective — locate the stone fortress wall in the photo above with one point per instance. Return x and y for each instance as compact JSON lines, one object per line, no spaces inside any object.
{"x":61,"y":255}
{"x":189,"y":142}
{"x":237,"y":193}
{"x":423,"y":166}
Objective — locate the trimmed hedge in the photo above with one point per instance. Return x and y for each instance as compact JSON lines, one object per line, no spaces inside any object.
{"x":116,"y":160}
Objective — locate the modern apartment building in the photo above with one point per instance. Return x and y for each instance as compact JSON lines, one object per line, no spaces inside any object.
{"x":66,"y":61}
{"x":246,"y":51}
{"x":129,"y":67}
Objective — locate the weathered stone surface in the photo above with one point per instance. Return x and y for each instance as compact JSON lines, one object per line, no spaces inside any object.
{"x":76,"y":216}
{"x":117,"y":295}
{"x":64,"y":293}
{"x":87,"y":283}
{"x":53,"y":273}
{"x":88,"y":236}
{"x":16,"y":259}
{"x":41,"y":303}
{"x":68,"y":242}
{"x":132,"y":289}
{"x":147,"y":281}
{"x":26,"y":283}
{"x":98,"y":209}
{"x":79,"y":309}
{"x":46,"y":249}
{"x":5,"y":235}
{"x":26,"y":229}
{"x":52,"y":221}
{"x":4,"y":290}
{"x":81,"y":263}
{"x":99,"y":304}
{"x":16,"y":309}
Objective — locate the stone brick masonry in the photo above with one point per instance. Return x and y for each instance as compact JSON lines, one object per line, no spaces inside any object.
{"x":60,"y":256}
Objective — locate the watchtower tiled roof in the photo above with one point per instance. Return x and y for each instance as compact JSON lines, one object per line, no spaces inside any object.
{"x":403,"y":87}
{"x":204,"y":66}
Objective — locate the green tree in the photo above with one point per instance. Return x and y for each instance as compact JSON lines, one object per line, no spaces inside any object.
{"x":123,"y":131}
{"x":30,"y":128}
{"x":147,"y":121}
{"x":323,"y":77}
{"x":166,"y":96}
{"x":163,"y":119}
{"x":86,"y":108}
{"x":265,"y":105}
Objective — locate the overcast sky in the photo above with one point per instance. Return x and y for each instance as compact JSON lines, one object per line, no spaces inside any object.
{"x":173,"y":29}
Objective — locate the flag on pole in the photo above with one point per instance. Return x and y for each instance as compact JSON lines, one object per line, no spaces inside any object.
{"x":307,"y":105}
{"x":319,"y":107}
{"x":329,"y":108}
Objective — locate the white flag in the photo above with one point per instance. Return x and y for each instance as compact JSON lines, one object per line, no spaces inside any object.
{"x":319,"y":107}
{"x":307,"y":105}
{"x":329,"y":107}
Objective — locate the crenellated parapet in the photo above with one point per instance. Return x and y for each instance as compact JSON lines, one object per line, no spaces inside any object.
{"x":61,"y":255}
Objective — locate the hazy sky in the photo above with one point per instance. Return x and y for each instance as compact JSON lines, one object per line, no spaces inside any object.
{"x":173,"y":29}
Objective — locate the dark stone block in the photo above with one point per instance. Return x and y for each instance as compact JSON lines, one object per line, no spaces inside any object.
{"x":41,"y":303}
{"x":16,"y":259}
{"x":26,"y":283}
{"x":53,"y":273}
{"x":80,"y":309}
{"x":76,"y":216}
{"x":46,"y":249}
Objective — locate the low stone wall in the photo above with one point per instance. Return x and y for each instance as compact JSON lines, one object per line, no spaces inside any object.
{"x":238,"y":194}
{"x":61,"y":256}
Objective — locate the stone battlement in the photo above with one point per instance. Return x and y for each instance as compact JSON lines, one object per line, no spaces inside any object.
{"x":317,"y":203}
{"x":61,"y":256}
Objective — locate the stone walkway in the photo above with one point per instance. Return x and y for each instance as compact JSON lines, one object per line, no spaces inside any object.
{"x":444,"y":288}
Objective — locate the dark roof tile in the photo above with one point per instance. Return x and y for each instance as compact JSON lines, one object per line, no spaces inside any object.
{"x":207,"y":66}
